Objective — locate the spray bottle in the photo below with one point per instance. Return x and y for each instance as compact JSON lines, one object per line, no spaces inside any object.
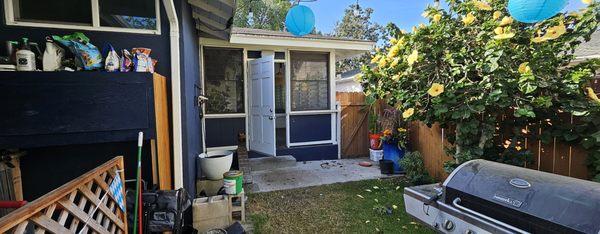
{"x":25,"y":57}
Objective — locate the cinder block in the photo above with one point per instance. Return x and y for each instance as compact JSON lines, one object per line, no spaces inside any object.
{"x":210,"y":213}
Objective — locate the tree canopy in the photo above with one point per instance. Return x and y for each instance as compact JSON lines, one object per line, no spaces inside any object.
{"x":356,"y":24}
{"x":266,"y":14}
{"x":475,"y":70}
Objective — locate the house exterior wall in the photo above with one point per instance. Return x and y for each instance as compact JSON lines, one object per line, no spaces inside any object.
{"x":41,"y":162}
{"x":311,"y":134}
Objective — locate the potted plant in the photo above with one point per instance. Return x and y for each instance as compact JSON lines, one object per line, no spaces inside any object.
{"x":394,"y":138}
{"x":374,"y":132}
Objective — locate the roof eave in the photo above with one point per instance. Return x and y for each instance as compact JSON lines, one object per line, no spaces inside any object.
{"x":354,"y":45}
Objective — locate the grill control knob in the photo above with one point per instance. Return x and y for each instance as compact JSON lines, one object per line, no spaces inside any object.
{"x":469,"y":231}
{"x":448,"y":225}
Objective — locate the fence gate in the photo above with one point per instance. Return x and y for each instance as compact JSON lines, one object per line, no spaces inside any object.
{"x":354,"y":125}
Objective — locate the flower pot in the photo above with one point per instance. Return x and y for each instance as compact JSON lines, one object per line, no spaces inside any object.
{"x":386,"y":167}
{"x":392,"y":152}
{"x":215,"y":163}
{"x":375,"y":141}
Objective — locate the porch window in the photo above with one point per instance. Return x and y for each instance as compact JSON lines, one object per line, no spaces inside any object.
{"x":224,"y":80}
{"x":309,"y":81}
{"x":140,"y":16}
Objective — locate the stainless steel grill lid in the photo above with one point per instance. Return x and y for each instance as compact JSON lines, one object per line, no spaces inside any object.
{"x":555,"y":199}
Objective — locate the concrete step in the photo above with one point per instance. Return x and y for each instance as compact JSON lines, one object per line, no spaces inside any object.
{"x":271,"y":163}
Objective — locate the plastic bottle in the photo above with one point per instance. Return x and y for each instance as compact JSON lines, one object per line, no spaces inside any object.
{"x":25,"y":57}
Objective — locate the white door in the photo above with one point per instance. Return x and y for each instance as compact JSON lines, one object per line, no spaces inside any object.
{"x":262,"y":105}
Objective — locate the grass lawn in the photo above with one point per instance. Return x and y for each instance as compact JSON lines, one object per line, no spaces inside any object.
{"x":354,"y":207}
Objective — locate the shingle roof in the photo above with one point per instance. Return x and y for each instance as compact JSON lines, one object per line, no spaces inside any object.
{"x":269,"y":33}
{"x":590,"y":48}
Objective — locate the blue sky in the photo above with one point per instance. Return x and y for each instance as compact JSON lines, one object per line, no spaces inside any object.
{"x":404,"y":13}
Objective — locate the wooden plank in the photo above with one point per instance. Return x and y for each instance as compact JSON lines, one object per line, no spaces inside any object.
{"x":154,"y":161}
{"x":163,"y":139}
{"x":579,"y":163}
{"x":21,"y":228}
{"x":102,"y":207}
{"x":20,"y":215}
{"x":75,"y":211}
{"x":16,"y":178}
{"x":48,"y":224}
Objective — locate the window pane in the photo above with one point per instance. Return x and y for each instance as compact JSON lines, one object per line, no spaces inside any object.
{"x":310,"y":81}
{"x":280,"y":55}
{"x":58,"y":11}
{"x":138,"y":14}
{"x":254,"y":54}
{"x":224,"y":77}
{"x":279,"y":88}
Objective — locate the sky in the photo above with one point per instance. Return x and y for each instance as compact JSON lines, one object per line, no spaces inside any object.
{"x":404,"y":13}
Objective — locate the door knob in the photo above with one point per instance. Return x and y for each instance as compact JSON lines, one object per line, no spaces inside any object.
{"x":271,"y":118}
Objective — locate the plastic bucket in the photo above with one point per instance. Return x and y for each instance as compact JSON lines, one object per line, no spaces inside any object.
{"x":233,"y":181}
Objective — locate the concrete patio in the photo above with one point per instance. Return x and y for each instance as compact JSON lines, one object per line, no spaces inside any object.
{"x":281,"y":173}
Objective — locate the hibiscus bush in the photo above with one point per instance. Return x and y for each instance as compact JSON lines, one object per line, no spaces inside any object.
{"x":479,"y":72}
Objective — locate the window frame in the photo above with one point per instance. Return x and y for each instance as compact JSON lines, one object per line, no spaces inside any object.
{"x":244,"y":80}
{"x":330,"y":87}
{"x":9,"y":16}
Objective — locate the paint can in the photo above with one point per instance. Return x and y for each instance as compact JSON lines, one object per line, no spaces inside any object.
{"x":233,"y":181}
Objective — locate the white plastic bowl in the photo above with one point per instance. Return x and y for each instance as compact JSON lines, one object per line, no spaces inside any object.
{"x":215,"y":163}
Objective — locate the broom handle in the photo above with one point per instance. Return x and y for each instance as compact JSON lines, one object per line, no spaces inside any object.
{"x":137,"y":186}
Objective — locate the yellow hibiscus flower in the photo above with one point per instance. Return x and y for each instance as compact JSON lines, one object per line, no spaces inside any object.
{"x":588,"y":2}
{"x":408,"y":113}
{"x":382,"y":63}
{"x":376,"y":58}
{"x":437,"y":18}
{"x":524,"y":68}
{"x":497,"y":15}
{"x":504,"y":35}
{"x":468,"y":19}
{"x":393,"y":51}
{"x":484,"y":6}
{"x":435,"y":90}
{"x":507,"y":20}
{"x":395,"y":62}
{"x":413,"y":57}
{"x":499,"y":30}
{"x":393,"y":40}
{"x":592,"y":95}
{"x":556,"y":31}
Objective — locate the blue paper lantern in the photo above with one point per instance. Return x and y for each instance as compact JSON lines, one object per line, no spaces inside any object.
{"x":533,"y":11}
{"x":300,"y":20}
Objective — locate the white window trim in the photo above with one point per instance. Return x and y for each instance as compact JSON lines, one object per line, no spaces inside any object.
{"x":9,"y":16}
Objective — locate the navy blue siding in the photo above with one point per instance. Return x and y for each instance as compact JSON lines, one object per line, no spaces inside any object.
{"x":64,"y":108}
{"x":224,"y":132}
{"x":190,"y":83}
{"x":306,"y":128}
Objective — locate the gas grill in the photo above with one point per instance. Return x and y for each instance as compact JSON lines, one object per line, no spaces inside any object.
{"x":488,"y":197}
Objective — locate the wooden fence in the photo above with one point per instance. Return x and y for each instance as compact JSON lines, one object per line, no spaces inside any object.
{"x":354,"y":125}
{"x":67,"y":208}
{"x":555,"y":157}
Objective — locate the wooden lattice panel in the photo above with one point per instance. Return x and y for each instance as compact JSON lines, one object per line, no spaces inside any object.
{"x":68,"y":208}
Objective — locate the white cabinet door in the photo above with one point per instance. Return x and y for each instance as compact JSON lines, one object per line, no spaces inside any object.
{"x":262,"y":105}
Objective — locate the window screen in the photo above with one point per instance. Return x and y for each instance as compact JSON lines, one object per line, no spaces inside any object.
{"x":59,"y":11}
{"x":224,"y":77}
{"x":139,"y":14}
{"x":309,"y":81}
